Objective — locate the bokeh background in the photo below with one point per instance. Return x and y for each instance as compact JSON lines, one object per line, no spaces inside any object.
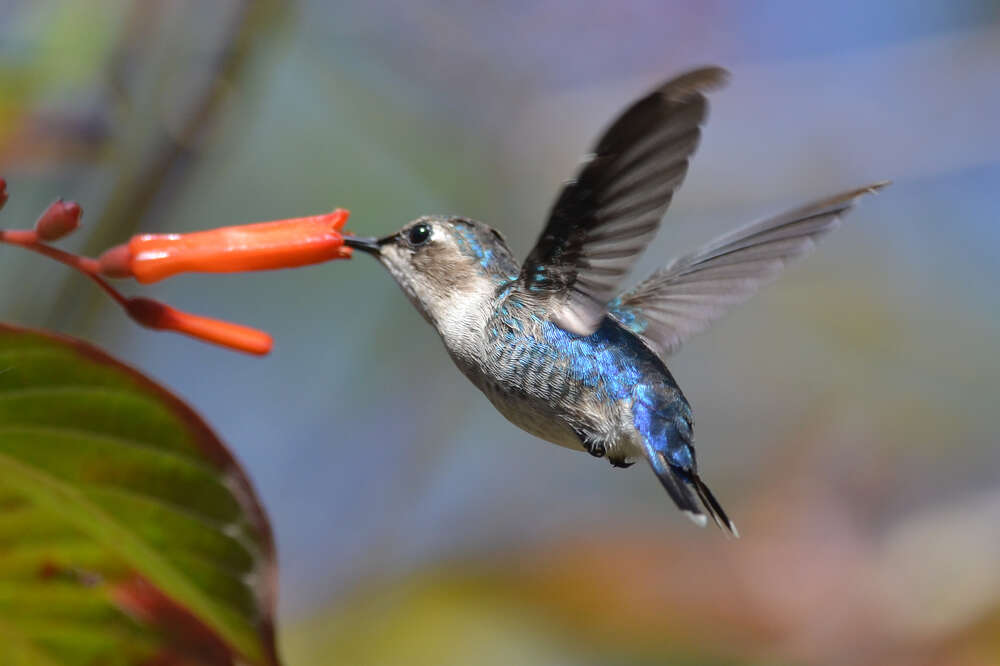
{"x":846,"y":417}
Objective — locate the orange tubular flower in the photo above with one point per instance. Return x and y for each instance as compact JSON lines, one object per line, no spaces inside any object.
{"x":161,"y":316}
{"x":249,"y":247}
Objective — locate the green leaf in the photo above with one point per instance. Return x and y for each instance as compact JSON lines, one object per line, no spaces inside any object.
{"x":128,"y":532}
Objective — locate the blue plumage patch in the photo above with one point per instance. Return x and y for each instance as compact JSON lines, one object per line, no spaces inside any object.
{"x":628,"y":317}
{"x":603,"y":360}
{"x":613,"y":364}
{"x":470,"y":245}
{"x":664,"y":426}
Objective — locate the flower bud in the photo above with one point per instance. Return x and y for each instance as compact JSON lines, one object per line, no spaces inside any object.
{"x":59,"y":219}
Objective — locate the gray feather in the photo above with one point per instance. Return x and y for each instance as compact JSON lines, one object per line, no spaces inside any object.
{"x":685,"y":296}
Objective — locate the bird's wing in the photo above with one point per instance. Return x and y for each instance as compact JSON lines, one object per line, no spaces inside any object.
{"x":689,"y":293}
{"x":605,"y":217}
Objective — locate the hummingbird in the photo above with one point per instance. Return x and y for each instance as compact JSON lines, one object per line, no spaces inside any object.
{"x":553,"y":343}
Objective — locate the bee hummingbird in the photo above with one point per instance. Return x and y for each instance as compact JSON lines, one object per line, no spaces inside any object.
{"x":552,"y":343}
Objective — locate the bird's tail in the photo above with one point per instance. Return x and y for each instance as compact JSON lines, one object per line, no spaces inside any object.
{"x":713,"y":507}
{"x":690,"y":494}
{"x":667,"y":431}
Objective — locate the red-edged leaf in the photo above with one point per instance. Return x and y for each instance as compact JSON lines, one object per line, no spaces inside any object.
{"x":128,"y":532}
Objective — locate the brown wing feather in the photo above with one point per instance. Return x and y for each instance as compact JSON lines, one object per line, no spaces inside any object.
{"x":604,"y":218}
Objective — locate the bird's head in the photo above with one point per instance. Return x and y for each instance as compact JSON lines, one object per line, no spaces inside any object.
{"x":437,"y":259}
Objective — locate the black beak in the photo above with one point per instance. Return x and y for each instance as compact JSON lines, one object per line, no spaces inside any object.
{"x":369,"y":245}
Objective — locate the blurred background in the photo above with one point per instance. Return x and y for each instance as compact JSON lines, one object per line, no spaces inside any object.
{"x":846,"y":417}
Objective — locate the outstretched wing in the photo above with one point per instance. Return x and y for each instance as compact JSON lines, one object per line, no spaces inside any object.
{"x":689,"y":293}
{"x":604,"y":218}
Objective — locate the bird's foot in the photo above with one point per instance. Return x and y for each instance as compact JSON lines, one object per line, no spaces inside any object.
{"x":596,"y":449}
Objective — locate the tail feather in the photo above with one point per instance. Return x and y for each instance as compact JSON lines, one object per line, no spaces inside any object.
{"x":665,"y":423}
{"x":686,"y":489}
{"x":680,"y":492}
{"x":714,"y":508}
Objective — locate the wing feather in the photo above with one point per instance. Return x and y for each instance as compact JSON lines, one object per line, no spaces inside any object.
{"x":685,"y":296}
{"x":604,"y":218}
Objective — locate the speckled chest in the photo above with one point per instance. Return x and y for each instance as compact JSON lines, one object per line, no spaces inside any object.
{"x":556,"y":385}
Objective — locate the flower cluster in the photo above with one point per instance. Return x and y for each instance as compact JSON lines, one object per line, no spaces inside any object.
{"x":152,"y":257}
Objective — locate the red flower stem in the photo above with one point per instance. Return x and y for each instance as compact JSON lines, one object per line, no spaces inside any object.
{"x":29,"y":241}
{"x":18,"y":236}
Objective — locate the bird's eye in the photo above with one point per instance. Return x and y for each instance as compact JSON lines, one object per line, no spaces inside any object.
{"x":419,"y":234}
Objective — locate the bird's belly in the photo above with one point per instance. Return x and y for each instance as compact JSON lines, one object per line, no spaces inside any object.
{"x":569,"y":390}
{"x":532,"y":415}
